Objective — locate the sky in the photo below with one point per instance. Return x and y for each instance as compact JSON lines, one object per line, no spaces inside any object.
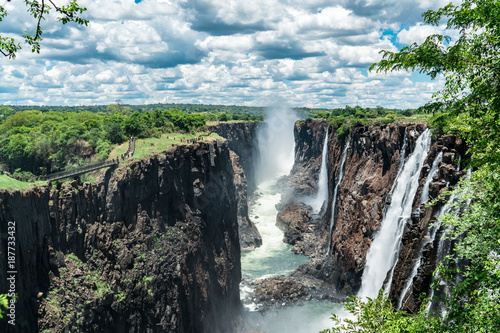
{"x":298,"y":53}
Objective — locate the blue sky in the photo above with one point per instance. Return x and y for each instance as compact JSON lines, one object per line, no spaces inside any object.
{"x":311,"y":53}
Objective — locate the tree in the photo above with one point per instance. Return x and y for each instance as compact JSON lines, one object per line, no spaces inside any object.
{"x":39,"y":10}
{"x":470,"y":66}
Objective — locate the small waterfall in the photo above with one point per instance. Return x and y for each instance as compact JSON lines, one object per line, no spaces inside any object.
{"x":432,"y":173}
{"x":402,"y":157}
{"x":322,"y":195}
{"x":432,"y":231}
{"x":335,"y":191}
{"x":384,"y":249}
{"x":444,"y":248}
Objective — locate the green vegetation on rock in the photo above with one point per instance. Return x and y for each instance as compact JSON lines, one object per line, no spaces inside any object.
{"x":35,"y":143}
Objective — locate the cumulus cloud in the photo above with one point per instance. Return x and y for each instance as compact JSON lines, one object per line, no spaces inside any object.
{"x":312,"y":53}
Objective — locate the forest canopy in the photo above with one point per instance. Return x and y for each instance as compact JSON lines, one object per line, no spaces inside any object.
{"x":36,"y":143}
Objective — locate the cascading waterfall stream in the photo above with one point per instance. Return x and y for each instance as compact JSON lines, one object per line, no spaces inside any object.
{"x":384,"y":249}
{"x":432,"y":230}
{"x":335,"y":191}
{"x":321,"y":196}
{"x":402,"y":156}
{"x":444,"y":248}
{"x":432,"y":173}
{"x":429,"y":239}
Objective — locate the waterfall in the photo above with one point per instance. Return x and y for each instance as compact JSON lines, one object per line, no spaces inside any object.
{"x":322,"y":195}
{"x":384,"y":249}
{"x":429,"y":239}
{"x":432,"y":229}
{"x":402,"y":156}
{"x":335,"y":191}
{"x":432,"y":173}
{"x":276,"y":144}
{"x":444,"y":248}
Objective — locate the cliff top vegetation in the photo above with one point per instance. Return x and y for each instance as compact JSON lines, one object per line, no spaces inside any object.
{"x":35,"y":143}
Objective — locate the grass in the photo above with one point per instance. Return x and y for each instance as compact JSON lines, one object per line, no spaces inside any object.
{"x":9,"y":183}
{"x":148,"y":146}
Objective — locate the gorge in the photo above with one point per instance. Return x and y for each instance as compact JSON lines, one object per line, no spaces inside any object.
{"x":162,"y":243}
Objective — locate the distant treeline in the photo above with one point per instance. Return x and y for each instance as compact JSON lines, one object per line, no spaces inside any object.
{"x":213,"y":112}
{"x":36,"y":143}
{"x":362,"y":113}
{"x":347,"y":118}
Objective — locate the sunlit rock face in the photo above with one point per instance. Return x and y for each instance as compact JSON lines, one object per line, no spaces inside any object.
{"x":374,"y":159}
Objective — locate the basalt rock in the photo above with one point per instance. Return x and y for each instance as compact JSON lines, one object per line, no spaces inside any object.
{"x":414,"y":246}
{"x":300,"y":229}
{"x":249,"y":235}
{"x":303,"y":179}
{"x":241,"y":137}
{"x":370,"y":169}
{"x":151,"y":247}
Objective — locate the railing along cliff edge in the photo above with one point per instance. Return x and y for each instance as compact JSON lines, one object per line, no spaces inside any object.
{"x":94,"y":166}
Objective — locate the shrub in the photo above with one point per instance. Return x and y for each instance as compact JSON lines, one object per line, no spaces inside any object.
{"x":343,"y":131}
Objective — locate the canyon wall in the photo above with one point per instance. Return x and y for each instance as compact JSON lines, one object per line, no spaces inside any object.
{"x":371,"y":167}
{"x":309,"y":135}
{"x":418,"y":257}
{"x":151,"y":247}
{"x":241,"y":139}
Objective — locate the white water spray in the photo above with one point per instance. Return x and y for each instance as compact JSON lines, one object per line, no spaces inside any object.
{"x":429,"y":239}
{"x":432,"y":173}
{"x":321,"y":196}
{"x":384,"y":249}
{"x":335,"y":192}
{"x":276,"y":144}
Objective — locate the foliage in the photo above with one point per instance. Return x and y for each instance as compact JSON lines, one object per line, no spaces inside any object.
{"x":474,"y":304}
{"x":39,"y":10}
{"x":378,"y":315}
{"x":343,"y":131}
{"x":470,"y":66}
{"x":35,"y":143}
{"x":4,"y":303}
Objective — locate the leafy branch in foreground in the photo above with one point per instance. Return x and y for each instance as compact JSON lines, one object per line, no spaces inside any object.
{"x":38,"y":10}
{"x":378,"y":315}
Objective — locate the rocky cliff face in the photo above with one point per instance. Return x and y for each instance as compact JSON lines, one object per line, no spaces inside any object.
{"x":371,"y":167}
{"x":419,"y":247}
{"x":249,"y":235}
{"x":309,"y":135}
{"x":152,"y":247}
{"x":241,"y":138}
